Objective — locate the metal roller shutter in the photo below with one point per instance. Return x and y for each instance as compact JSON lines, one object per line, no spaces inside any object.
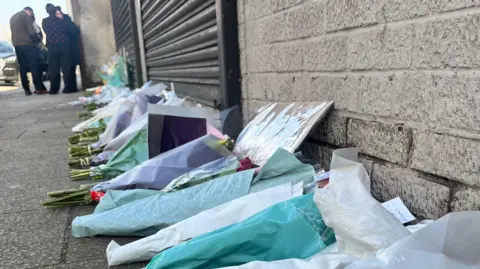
{"x":123,"y":22}
{"x":181,"y":46}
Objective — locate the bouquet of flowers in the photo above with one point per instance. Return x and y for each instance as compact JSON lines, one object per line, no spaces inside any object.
{"x":80,"y":196}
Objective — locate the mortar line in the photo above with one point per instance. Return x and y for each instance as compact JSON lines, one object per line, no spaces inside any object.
{"x":66,"y":237}
{"x":21,"y":134}
{"x":433,"y":71}
{"x":455,"y":13}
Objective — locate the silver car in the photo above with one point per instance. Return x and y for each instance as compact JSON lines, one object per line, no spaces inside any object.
{"x":8,"y":63}
{"x":9,"y":69}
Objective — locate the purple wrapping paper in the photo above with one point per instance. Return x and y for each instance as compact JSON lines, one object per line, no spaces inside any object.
{"x":168,"y":132}
{"x":158,"y":172}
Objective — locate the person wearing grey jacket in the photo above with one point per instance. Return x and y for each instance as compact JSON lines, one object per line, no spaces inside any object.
{"x":24,"y":39}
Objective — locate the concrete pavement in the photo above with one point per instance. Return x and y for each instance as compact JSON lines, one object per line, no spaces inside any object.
{"x":33,"y":161}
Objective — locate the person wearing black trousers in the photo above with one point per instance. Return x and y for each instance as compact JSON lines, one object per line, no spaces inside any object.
{"x":24,"y":38}
{"x":74,"y":39}
{"x":57,"y":30}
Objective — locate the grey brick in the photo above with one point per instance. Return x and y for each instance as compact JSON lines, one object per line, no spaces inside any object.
{"x":241,"y":37}
{"x":320,"y":154}
{"x":287,"y":57}
{"x":398,"y":47}
{"x":343,"y":14}
{"x":268,"y":30}
{"x":254,"y":106}
{"x":279,"y":87}
{"x":413,"y":96}
{"x":449,"y":42}
{"x":259,"y":59}
{"x":306,"y":20}
{"x":367,"y":163}
{"x":456,"y":101}
{"x":364,"y":50}
{"x":347,"y":94}
{"x":256,"y":86}
{"x":302,"y":89}
{"x":466,"y":199}
{"x":399,"y":10}
{"x":455,"y":4}
{"x":255,"y":9}
{"x":243,"y":85}
{"x":405,"y":9}
{"x":243,"y":62}
{"x":447,"y":156}
{"x":276,"y":87}
{"x":381,"y":48}
{"x":325,"y":54}
{"x":251,"y":30}
{"x":332,"y":130}
{"x":275,"y":58}
{"x":240,"y":12}
{"x":325,"y":87}
{"x":283,"y":4}
{"x":388,"y":142}
{"x":375,"y":93}
{"x":246,"y":117}
{"x":424,"y":198}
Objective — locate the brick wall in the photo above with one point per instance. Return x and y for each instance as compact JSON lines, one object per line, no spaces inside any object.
{"x":405,"y":78}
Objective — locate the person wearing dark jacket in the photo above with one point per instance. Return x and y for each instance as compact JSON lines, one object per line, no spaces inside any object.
{"x":24,"y":39}
{"x":74,"y":39}
{"x":57,"y":30}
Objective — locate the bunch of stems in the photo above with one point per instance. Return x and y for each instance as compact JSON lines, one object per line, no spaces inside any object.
{"x":84,"y":115}
{"x":90,"y":107}
{"x":80,"y":196}
{"x":89,"y":135}
{"x":83,"y":174}
{"x":83,"y":151}
{"x":63,"y":198}
{"x":88,"y":93}
{"x":80,"y":174}
{"x":83,"y":162}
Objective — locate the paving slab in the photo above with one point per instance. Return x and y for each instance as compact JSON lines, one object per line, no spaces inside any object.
{"x":92,"y":247}
{"x":7,"y":133}
{"x":32,"y":238}
{"x":30,"y":142}
{"x":33,"y":161}
{"x":100,"y":263}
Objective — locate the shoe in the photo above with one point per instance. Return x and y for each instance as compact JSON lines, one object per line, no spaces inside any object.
{"x":52,"y":93}
{"x":28,"y":93}
{"x":41,"y":92}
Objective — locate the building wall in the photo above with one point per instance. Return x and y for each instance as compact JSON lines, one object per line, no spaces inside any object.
{"x":94,"y":18}
{"x":405,"y":78}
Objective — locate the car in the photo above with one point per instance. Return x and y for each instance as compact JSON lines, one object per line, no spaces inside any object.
{"x":9,"y":69}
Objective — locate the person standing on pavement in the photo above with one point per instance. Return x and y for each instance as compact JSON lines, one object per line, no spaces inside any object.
{"x":59,"y":56}
{"x":74,"y":39}
{"x":24,"y":39}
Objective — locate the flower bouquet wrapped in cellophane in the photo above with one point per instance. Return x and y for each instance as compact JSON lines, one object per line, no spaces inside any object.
{"x":134,"y":152}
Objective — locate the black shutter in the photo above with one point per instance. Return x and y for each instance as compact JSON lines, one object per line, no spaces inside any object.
{"x":126,"y":37}
{"x":180,"y":38}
